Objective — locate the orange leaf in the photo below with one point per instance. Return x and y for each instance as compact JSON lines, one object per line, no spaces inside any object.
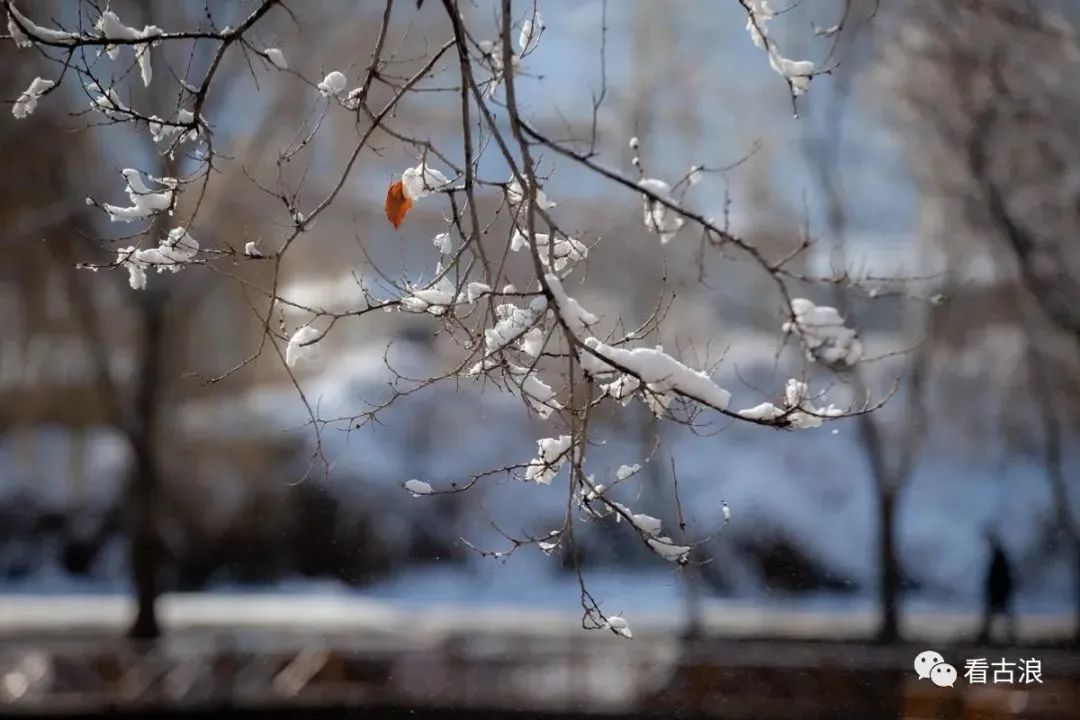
{"x":397,"y":204}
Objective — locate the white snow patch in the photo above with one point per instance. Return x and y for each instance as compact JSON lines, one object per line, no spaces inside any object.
{"x":276,"y":58}
{"x":824,"y":334}
{"x":418,"y":487}
{"x":550,"y":456}
{"x":27,"y":102}
{"x":300,"y":344}
{"x":145,"y":202}
{"x":420,"y":181}
{"x":333,"y":84}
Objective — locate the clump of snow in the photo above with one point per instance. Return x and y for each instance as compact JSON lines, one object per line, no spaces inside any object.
{"x":803,"y":414}
{"x":531,"y":30}
{"x":758,"y":16}
{"x":646,"y":524}
{"x":418,"y":487}
{"x":475,"y":290}
{"x":626,"y":471}
{"x":764,"y":411}
{"x":492,"y":55}
{"x":420,"y":181}
{"x":798,"y":73}
{"x":669,"y":550}
{"x":145,"y":202}
{"x":435,"y":299}
{"x":619,"y":626}
{"x":576,"y":317}
{"x":333,"y":84}
{"x":650,"y":527}
{"x":442,"y":241}
{"x":548,"y":547}
{"x":107,"y":102}
{"x":111,"y":28}
{"x":300,"y":344}
{"x":551,"y":453}
{"x":172,"y":254}
{"x":538,"y":394}
{"x":798,"y":412}
{"x":251,"y":249}
{"x":559,"y":255}
{"x":659,"y":218}
{"x":621,"y":388}
{"x":27,"y":102}
{"x":661,"y":373}
{"x":38,"y":32}
{"x":126,"y":257}
{"x":512,"y":323}
{"x":824,"y":334}
{"x":532,"y":342}
{"x":162,"y":131}
{"x":276,"y":58}
{"x":516,"y":195}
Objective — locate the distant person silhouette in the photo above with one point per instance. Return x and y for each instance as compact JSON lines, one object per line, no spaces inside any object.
{"x":998,"y":593}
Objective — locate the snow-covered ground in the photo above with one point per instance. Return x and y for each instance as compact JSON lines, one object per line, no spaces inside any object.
{"x":415,"y":606}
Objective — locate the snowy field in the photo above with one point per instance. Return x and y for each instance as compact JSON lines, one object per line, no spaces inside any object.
{"x":401,"y":611}
{"x":810,"y":488}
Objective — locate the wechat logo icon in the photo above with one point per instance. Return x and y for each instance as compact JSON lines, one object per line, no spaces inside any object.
{"x":930,"y":665}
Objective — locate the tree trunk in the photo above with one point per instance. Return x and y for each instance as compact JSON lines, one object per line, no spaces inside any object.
{"x":144,"y":556}
{"x":889,"y":587}
{"x":1076,"y":583}
{"x":1055,"y":469}
{"x":145,"y":546}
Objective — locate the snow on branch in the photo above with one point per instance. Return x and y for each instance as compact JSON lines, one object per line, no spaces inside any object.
{"x":797,"y":411}
{"x":823,"y":333}
{"x":176,"y":251}
{"x":27,"y":102}
{"x":454,"y":119}
{"x":661,"y":374}
{"x":144,"y":200}
{"x":797,"y":73}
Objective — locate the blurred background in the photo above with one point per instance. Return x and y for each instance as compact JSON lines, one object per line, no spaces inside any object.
{"x":165,"y":546}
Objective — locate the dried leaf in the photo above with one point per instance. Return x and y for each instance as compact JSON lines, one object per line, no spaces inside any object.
{"x":397,"y":203}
